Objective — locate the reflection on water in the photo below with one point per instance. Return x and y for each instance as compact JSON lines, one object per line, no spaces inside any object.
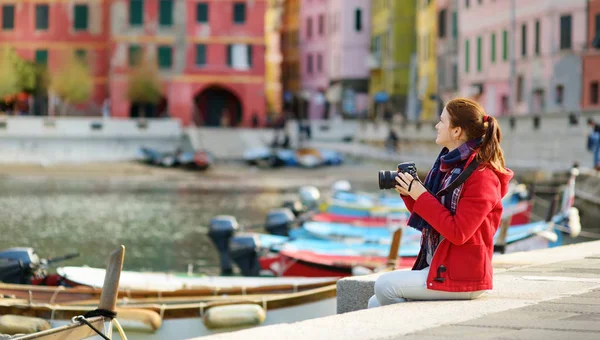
{"x":162,"y":230}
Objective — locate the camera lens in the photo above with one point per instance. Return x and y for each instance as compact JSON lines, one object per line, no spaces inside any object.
{"x":387,"y":179}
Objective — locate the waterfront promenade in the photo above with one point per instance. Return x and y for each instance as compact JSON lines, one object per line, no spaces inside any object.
{"x":545,"y":294}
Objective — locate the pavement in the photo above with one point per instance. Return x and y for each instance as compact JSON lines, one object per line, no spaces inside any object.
{"x":545,"y":294}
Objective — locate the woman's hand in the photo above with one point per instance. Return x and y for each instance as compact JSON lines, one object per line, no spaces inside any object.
{"x":405,"y":182}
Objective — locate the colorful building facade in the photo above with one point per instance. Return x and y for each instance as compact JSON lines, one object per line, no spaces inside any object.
{"x":427,"y":33}
{"x":590,"y":98}
{"x":273,"y":57}
{"x":290,"y":48}
{"x":314,"y":79}
{"x":548,"y":39}
{"x":210,"y":53}
{"x":46,"y":31}
{"x":393,"y":43}
{"x":349,"y":40}
{"x":447,"y":50}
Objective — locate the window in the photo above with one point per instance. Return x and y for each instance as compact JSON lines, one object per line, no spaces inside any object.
{"x":493,"y":48}
{"x":519,"y":89}
{"x":200,"y":55}
{"x":442,"y":24}
{"x":467,"y":3}
{"x":202,"y":12}
{"x":505,"y":45}
{"x":309,"y":64}
{"x":454,"y":24}
{"x":358,"y":20}
{"x":239,"y":12}
{"x":454,"y":76}
{"x":537,"y":38}
{"x":594,"y":92}
{"x":8,"y":17}
{"x":467,"y":56}
{"x":319,"y":63}
{"x":135,"y":54}
{"x":478,"y":54}
{"x":321,"y":24}
{"x":165,"y":57}
{"x":165,"y":13}
{"x":81,"y":17}
{"x":308,"y":28}
{"x":565,"y":32}
{"x":596,"y":40}
{"x":239,"y":56}
{"x":136,"y":12}
{"x":41,"y":57}
{"x":559,"y":94}
{"x":81,"y":54}
{"x":41,"y":16}
{"x":524,"y":40}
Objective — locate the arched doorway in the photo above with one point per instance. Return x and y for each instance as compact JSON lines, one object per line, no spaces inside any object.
{"x":217,"y":106}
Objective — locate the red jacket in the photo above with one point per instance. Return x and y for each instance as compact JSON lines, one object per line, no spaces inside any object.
{"x":463,"y":260}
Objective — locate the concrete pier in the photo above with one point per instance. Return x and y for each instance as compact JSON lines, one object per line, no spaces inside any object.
{"x":545,"y":294}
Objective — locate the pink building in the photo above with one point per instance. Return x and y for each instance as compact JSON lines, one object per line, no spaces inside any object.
{"x":313,"y":56}
{"x":348,"y":49}
{"x":548,"y":40}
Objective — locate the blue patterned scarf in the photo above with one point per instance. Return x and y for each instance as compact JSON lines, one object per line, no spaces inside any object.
{"x":445,"y":170}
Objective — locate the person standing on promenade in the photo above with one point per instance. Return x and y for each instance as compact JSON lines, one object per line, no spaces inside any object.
{"x":458,"y":222}
{"x":594,"y":142}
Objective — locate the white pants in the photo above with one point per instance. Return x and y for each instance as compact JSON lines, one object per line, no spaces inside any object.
{"x":403,"y":285}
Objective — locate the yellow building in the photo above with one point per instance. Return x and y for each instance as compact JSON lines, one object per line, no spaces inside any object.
{"x":392,"y":45}
{"x":426,"y":58}
{"x":273,"y":58}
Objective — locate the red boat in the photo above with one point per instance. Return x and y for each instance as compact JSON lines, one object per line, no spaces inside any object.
{"x":311,"y":264}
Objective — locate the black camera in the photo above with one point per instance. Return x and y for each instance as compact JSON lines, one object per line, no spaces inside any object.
{"x":387,"y":178}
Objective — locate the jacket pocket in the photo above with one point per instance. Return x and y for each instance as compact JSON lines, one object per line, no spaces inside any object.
{"x":467,"y":262}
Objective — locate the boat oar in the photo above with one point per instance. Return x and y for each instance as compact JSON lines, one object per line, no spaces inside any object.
{"x":392,"y":259}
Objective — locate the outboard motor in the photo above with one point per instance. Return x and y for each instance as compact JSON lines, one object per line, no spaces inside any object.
{"x":244,"y":252}
{"x":294,"y":206}
{"x":19,"y":265}
{"x":221,"y":230}
{"x":309,"y":196}
{"x":279,"y":221}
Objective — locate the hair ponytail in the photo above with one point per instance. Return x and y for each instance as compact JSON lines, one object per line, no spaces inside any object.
{"x":471,"y":117}
{"x":490,"y":151}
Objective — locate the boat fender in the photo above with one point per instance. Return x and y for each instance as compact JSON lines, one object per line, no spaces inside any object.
{"x":548,"y":235}
{"x":234,"y":316}
{"x":139,"y":319}
{"x":18,"y":324}
{"x":574,"y":222}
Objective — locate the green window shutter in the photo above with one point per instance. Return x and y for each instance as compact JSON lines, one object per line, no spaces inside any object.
{"x":135,"y":53}
{"x":239,"y":12}
{"x":165,"y":17}
{"x":505,"y":45}
{"x":41,"y":57}
{"x":478,"y":54}
{"x":229,"y":56}
{"x":81,"y":54}
{"x":493,"y":47}
{"x":81,"y":17}
{"x":42,"y":12}
{"x":136,"y":12}
{"x":454,"y":24}
{"x":249,"y":56}
{"x":200,"y":54}
{"x":467,"y":56}
{"x":202,"y":12}
{"x":165,"y":57}
{"x":8,"y":17}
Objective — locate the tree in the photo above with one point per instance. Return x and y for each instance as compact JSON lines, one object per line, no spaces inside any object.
{"x":9,"y":85}
{"x":144,"y":85}
{"x":72,"y":84}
